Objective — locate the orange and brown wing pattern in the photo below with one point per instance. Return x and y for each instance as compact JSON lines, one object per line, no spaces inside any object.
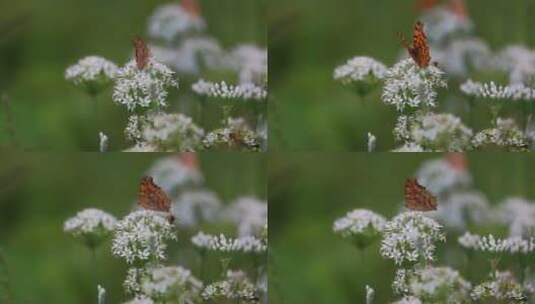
{"x":142,"y":53}
{"x":152,"y":197}
{"x":419,"y":49}
{"x":417,"y":197}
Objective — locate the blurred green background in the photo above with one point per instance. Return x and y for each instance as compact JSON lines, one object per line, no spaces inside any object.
{"x":39,"y":39}
{"x":308,"y":39}
{"x":40,"y":191}
{"x":308,"y":191}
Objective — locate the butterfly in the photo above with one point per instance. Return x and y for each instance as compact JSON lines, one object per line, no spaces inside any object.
{"x":142,"y":53}
{"x":419,"y":50}
{"x":152,"y":197}
{"x":192,"y":7}
{"x":417,"y":197}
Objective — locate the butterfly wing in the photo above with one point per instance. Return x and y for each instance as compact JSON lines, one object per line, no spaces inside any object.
{"x":419,"y":50}
{"x":142,"y":53}
{"x":152,"y":197}
{"x":417,"y":197}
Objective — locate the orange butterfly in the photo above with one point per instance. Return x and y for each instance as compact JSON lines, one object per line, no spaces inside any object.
{"x":142,"y":53}
{"x":419,"y":50}
{"x":417,"y":197}
{"x":192,"y":7}
{"x":152,"y":197}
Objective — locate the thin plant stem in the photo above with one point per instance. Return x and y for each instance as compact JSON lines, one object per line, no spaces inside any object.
{"x":202,"y":265}
{"x":94,"y":264}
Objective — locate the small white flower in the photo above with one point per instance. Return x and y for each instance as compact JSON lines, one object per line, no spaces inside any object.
{"x":236,"y":287}
{"x":409,"y":86}
{"x":463,"y":55}
{"x":141,"y":89}
{"x":91,"y":225}
{"x":361,"y":226}
{"x":519,"y":62}
{"x":141,"y":237}
{"x":246,"y":91}
{"x":249,"y":214}
{"x":370,"y":293}
{"x":501,"y":287}
{"x":171,"y":21}
{"x":101,"y":295}
{"x":505,"y":135}
{"x":132,"y":130}
{"x":140,"y":300}
{"x":103,"y":142}
{"x":495,"y":91}
{"x":364,"y":73}
{"x":410,"y":237}
{"x":441,"y":23}
{"x":372,"y":140}
{"x":221,"y":243}
{"x":93,"y":73}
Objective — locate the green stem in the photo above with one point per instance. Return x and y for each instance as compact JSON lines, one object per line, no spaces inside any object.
{"x":94,"y":264}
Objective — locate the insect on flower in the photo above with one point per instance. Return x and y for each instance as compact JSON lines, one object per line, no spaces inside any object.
{"x":419,"y":50}
{"x":152,"y":197}
{"x":142,"y":53}
{"x":417,"y":197}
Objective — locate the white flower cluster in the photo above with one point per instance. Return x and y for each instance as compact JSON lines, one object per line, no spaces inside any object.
{"x":435,"y":132}
{"x":170,"y":21}
{"x":504,"y":135}
{"x":372,"y":142}
{"x":172,"y":131}
{"x":519,"y":215}
{"x":141,"y":236}
{"x":519,"y":62}
{"x":172,"y":173}
{"x":193,"y":54}
{"x":132,"y":130}
{"x":502,"y":288}
{"x":92,"y":72}
{"x":463,"y":55}
{"x":442,"y":24}
{"x":236,"y":287}
{"x":360,"y":69}
{"x":409,"y":147}
{"x":361,"y":225}
{"x":221,"y":243}
{"x":438,"y":285}
{"x":103,"y":142}
{"x":194,"y":207}
{"x":140,"y":300}
{"x":235,"y":135}
{"x":249,"y":214}
{"x":408,"y":300}
{"x":495,"y":91}
{"x":440,"y":177}
{"x":409,"y":86}
{"x":410,"y":237}
{"x":245,"y":91}
{"x":171,"y":282}
{"x":251,"y":62}
{"x":461,"y":209}
{"x":491,"y":244}
{"x":92,"y":225}
{"x":135,"y":88}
